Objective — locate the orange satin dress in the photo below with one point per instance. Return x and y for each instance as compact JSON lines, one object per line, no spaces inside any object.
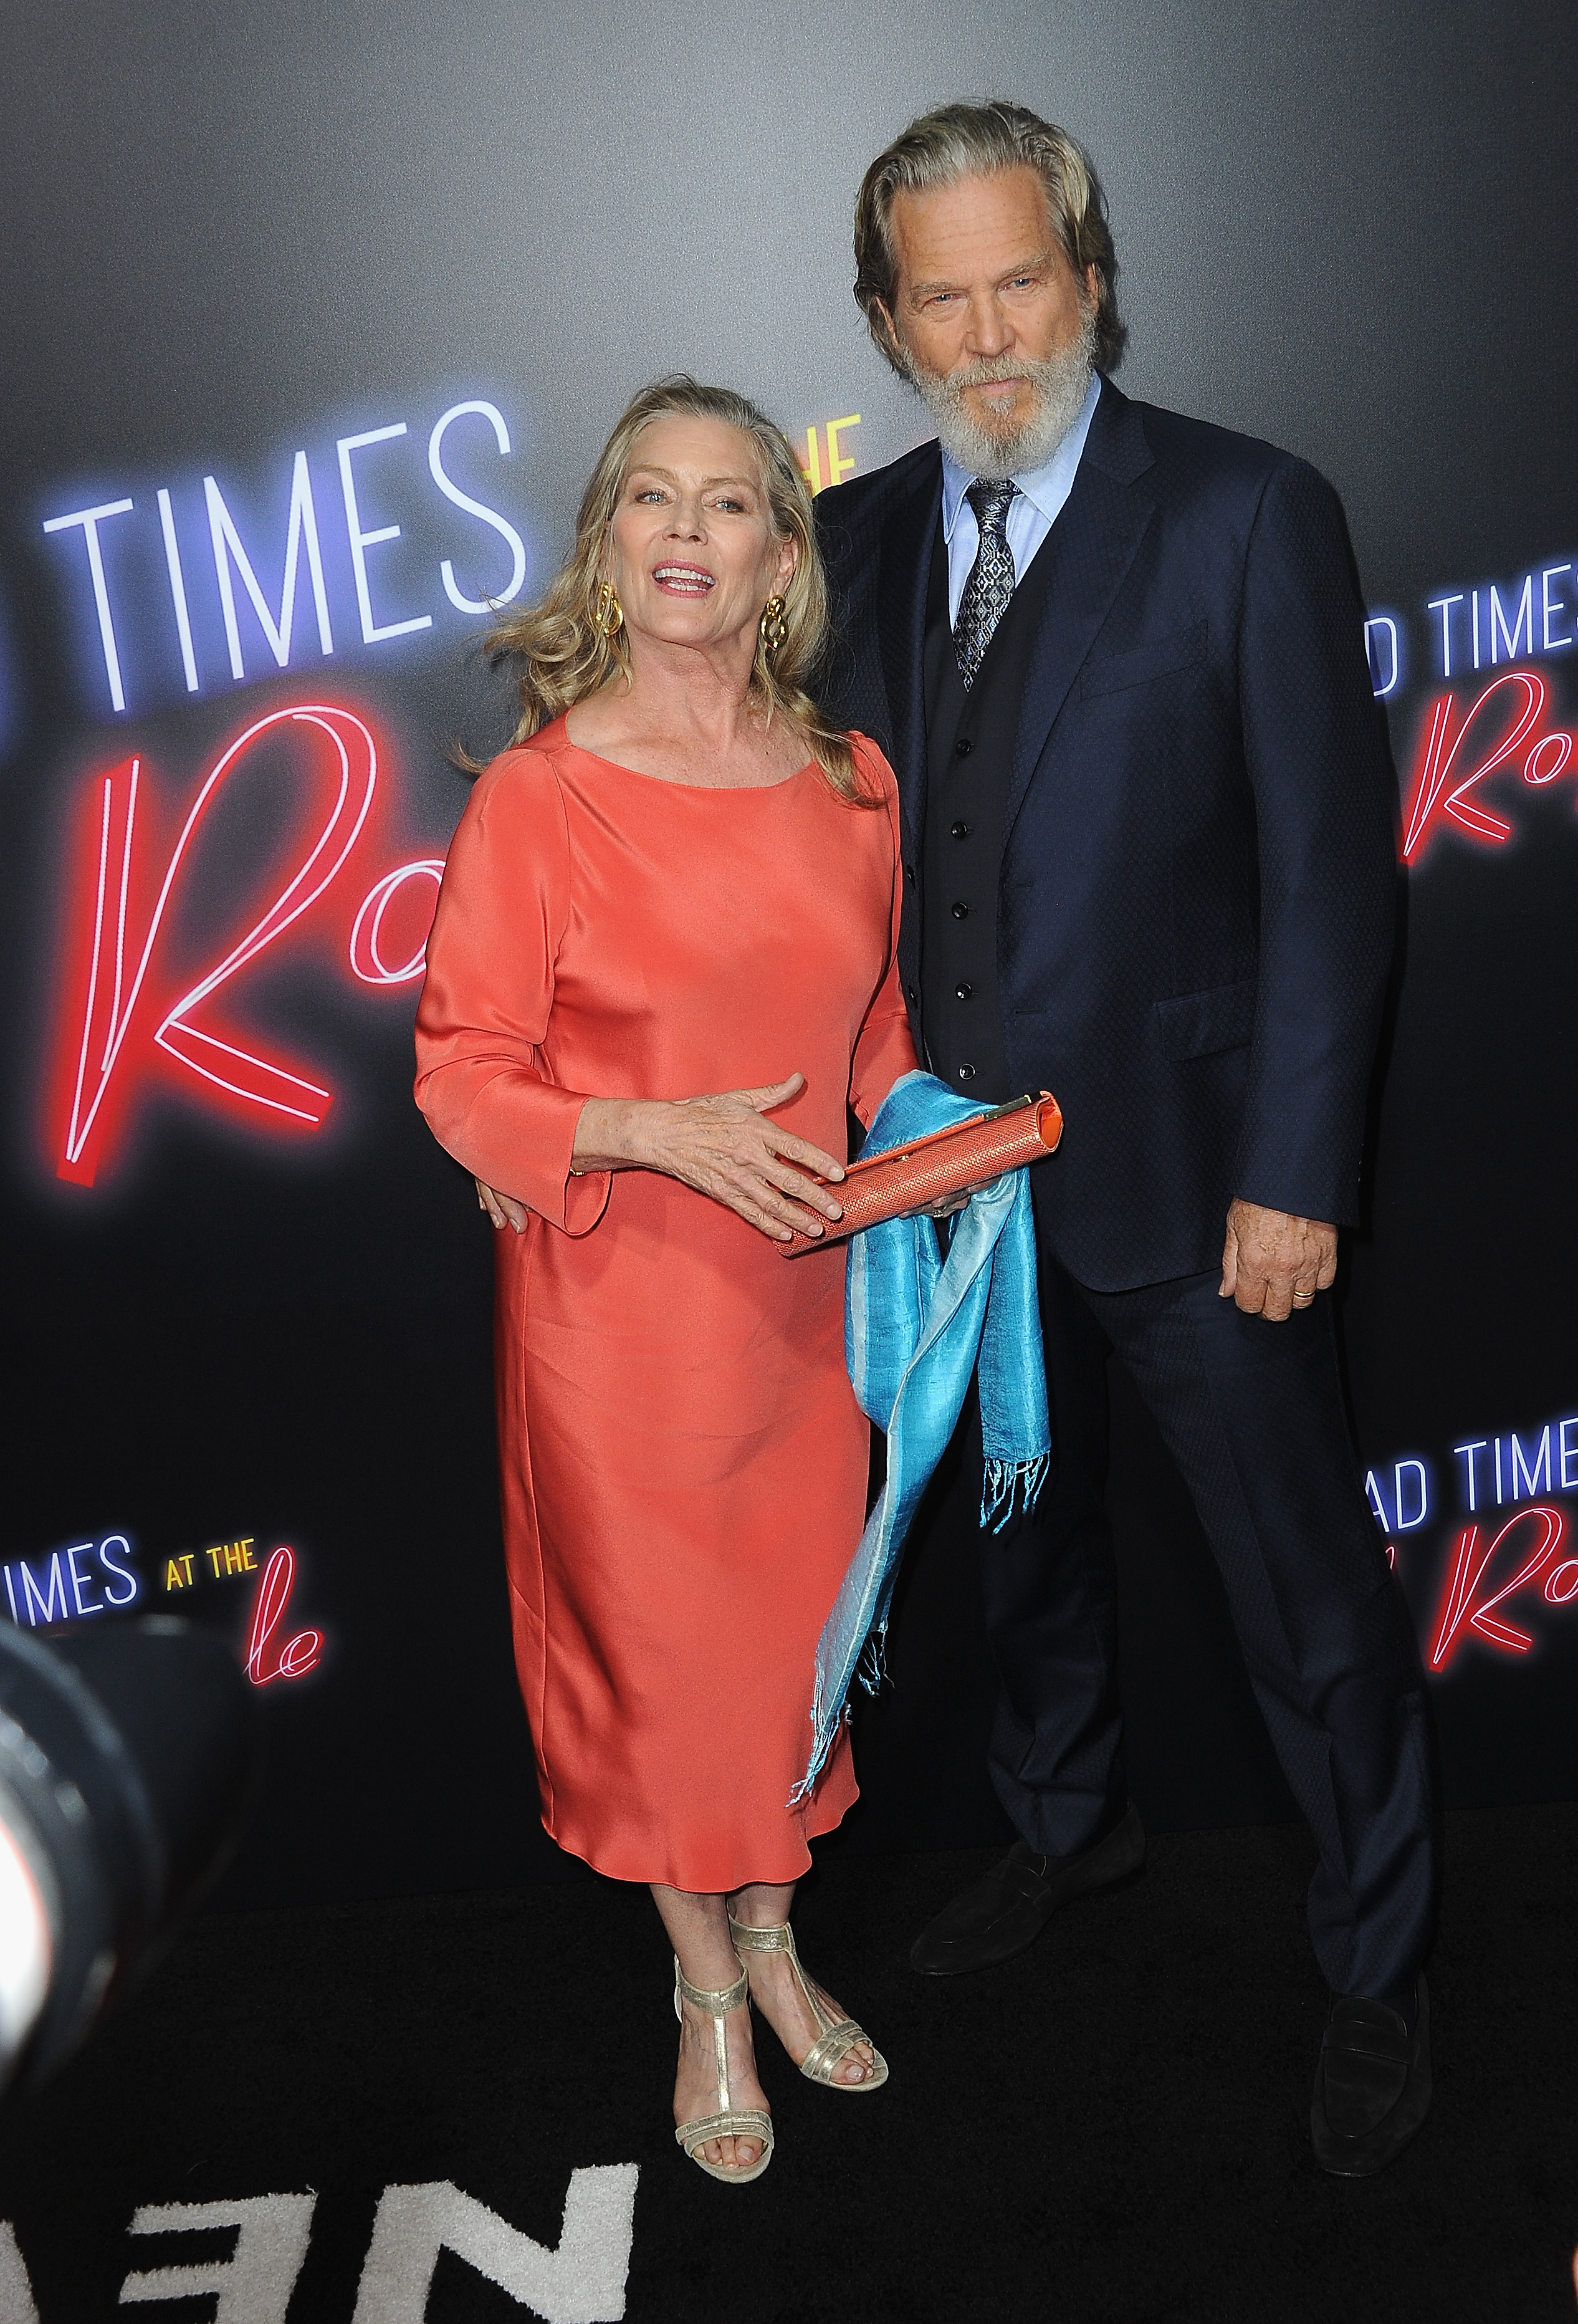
{"x":683,"y":1463}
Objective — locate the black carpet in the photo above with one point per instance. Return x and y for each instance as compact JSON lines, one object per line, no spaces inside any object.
{"x":1111,"y":2130}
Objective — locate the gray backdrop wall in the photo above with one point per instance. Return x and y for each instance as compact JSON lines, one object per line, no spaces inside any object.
{"x":302,"y":274}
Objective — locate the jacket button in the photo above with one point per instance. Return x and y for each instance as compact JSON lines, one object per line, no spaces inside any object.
{"x":909,"y":875}
{"x":910,"y":995}
{"x":963,"y":747}
{"x":962,"y":911}
{"x":967,"y":1073}
{"x":963,"y":991}
{"x":960,"y":830}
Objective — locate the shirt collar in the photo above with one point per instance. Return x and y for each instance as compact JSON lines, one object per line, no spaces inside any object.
{"x":1047,"y":486}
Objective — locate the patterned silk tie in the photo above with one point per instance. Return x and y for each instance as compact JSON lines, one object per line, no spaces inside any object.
{"x":991,"y":577}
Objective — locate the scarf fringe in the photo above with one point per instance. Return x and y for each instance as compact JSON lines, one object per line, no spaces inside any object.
{"x":872,"y":1669}
{"x":872,"y":1673}
{"x":1008,"y":1484}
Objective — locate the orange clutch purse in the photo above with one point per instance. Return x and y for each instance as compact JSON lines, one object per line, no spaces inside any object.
{"x":929,"y":1169}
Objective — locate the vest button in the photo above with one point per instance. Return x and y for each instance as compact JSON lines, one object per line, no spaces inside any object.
{"x":962,"y":911}
{"x":910,"y":995}
{"x":960,"y":830}
{"x":909,"y":875}
{"x":963,"y":747}
{"x":967,"y":1073}
{"x":963,"y":991}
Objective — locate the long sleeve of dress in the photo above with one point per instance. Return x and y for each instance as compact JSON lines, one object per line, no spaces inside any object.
{"x":884,"y":1049}
{"x":484,"y":1081}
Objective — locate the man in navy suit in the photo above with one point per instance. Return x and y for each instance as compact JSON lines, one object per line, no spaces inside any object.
{"x":1116,"y":659}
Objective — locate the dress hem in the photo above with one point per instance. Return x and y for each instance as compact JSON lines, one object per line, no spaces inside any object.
{"x":812,"y":1827}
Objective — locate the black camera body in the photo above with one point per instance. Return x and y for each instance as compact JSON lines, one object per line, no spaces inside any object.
{"x":129,"y":1759}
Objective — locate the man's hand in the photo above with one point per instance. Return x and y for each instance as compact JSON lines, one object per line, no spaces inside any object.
{"x":502,"y":1209}
{"x":1272,"y":1262}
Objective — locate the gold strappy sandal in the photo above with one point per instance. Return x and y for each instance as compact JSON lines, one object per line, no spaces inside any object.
{"x":728,"y":2122}
{"x":835,"y":2036}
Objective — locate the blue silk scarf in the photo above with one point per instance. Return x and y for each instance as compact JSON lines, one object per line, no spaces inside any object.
{"x":916,"y":1326}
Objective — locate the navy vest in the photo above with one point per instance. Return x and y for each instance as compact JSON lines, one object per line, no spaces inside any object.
{"x":969,"y":762}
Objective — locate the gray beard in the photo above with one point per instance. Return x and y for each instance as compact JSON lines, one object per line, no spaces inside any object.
{"x":1060,"y":385}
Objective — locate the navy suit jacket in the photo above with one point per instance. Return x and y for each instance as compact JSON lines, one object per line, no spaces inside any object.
{"x":1197,"y":894}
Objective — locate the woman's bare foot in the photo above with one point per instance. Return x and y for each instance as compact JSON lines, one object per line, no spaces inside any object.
{"x":695,"y":2090}
{"x":776,"y":1990}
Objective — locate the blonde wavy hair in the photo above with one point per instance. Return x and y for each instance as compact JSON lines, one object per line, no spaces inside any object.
{"x":562,"y":656}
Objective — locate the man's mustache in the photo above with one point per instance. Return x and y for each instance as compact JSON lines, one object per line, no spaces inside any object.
{"x":986,"y":371}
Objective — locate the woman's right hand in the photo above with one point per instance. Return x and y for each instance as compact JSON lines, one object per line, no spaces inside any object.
{"x":724,"y":1147}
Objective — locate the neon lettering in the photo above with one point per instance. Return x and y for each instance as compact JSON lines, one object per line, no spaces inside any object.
{"x":1548,"y":757}
{"x":1443,"y":605}
{"x":227,"y":547}
{"x":839,"y":462}
{"x":1479,"y":1444}
{"x":298,"y":1654}
{"x":360,"y":542}
{"x":1442,"y":738}
{"x":1522,"y":626}
{"x":1384,"y":652}
{"x":122,"y":1026}
{"x":1569,"y":1453}
{"x":452,"y":492}
{"x":80,"y":1580}
{"x":1530,"y":1485}
{"x":51,"y":1608}
{"x":177,"y":588}
{"x":90,"y":520}
{"x":367,"y":960}
{"x":132,"y":1581}
{"x":1417,"y":1470}
{"x":1462,"y":1609}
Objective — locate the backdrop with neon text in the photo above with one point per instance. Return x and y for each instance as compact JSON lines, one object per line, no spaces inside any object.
{"x":314,"y":323}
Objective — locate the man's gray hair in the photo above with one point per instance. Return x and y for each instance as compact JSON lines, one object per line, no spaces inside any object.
{"x":973,"y":141}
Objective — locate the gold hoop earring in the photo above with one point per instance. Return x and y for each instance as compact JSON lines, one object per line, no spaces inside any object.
{"x":775,"y":629}
{"x":608,"y":615}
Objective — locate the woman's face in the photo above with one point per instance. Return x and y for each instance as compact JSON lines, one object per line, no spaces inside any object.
{"x":691,"y":552}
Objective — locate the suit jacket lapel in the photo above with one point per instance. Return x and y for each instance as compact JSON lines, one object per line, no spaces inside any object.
{"x":1092,"y":546}
{"x":900,"y":623}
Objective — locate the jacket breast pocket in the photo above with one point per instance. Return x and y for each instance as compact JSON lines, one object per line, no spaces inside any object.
{"x":1111,"y":673}
{"x":1200,"y":1024}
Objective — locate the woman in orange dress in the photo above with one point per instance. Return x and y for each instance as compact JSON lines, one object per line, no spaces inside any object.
{"x":663,"y":965}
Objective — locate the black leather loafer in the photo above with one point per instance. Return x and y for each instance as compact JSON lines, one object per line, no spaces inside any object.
{"x":1373,"y":2085}
{"x":1008,"y":1910}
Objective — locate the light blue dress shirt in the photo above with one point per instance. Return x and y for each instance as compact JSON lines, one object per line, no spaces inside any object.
{"x":1031,"y":513}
